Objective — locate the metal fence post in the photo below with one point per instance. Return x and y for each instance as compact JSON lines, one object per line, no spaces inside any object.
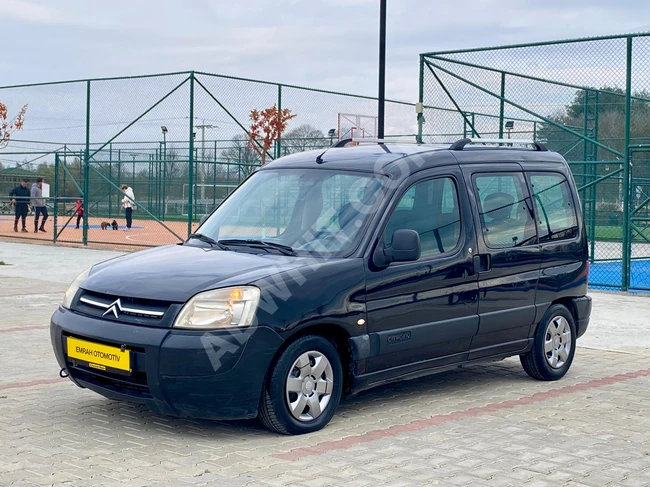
{"x":594,"y":173}
{"x":279,"y":144}
{"x":56,"y":196}
{"x":420,"y":115}
{"x":190,"y":195}
{"x":119,"y":174}
{"x":585,"y":192}
{"x":164,"y":184}
{"x":502,"y":104}
{"x":110,"y":175}
{"x":86,"y":165}
{"x":150,"y":182}
{"x":627,"y":244}
{"x":585,"y":123}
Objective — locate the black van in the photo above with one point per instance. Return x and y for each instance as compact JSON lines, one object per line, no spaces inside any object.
{"x":329,"y":272}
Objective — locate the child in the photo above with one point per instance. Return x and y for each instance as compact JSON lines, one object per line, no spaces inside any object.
{"x":79,"y":210}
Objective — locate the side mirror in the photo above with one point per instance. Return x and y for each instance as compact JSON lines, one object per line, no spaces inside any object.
{"x":203,"y":219}
{"x":404,"y":247}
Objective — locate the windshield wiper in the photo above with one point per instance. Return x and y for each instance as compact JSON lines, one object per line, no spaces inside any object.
{"x":206,"y":239}
{"x":260,"y":244}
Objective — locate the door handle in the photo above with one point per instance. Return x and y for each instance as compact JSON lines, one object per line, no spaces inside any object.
{"x":482,"y":262}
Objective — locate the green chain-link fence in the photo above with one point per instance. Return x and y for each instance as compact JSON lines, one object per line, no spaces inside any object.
{"x":588,"y":99}
{"x":179,"y":140}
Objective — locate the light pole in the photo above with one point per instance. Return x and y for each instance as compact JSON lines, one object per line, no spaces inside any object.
{"x":382,"y":70}
{"x":164,"y":171}
{"x":164,"y":132}
{"x":203,"y":126}
{"x":133,"y":156}
{"x":331,"y":134}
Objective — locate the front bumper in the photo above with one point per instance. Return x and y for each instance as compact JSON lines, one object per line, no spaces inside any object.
{"x":214,"y":375}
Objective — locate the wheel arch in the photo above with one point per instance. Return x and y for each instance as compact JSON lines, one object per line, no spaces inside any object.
{"x":568,"y":304}
{"x":338,"y":335}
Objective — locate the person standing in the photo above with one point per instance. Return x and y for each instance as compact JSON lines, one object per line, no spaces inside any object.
{"x":20,"y":198}
{"x":79,"y":211}
{"x":128,"y":203}
{"x":38,"y":203}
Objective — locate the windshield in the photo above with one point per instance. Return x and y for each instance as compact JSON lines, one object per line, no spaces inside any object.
{"x":314,"y":211}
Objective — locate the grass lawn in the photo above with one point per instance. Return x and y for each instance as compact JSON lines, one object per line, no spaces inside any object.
{"x":615,"y":233}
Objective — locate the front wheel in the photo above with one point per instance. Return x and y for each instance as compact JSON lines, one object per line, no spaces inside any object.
{"x":304,"y":388}
{"x":554,"y":345}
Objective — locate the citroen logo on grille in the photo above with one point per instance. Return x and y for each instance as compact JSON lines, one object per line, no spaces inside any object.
{"x":116,"y":308}
{"x":113,"y":307}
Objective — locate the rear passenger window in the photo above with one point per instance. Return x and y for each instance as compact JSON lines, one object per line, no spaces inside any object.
{"x":431,"y":209}
{"x":554,"y":206}
{"x":505,"y":216}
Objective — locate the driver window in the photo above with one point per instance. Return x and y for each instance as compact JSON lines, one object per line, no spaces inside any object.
{"x":431,"y":209}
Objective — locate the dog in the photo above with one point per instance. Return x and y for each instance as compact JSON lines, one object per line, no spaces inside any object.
{"x":113,"y":225}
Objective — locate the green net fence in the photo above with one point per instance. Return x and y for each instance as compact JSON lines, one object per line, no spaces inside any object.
{"x":588,"y":99}
{"x":179,"y":141}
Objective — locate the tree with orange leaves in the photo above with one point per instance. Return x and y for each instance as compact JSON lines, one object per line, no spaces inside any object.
{"x":267,"y":127}
{"x":7,"y":127}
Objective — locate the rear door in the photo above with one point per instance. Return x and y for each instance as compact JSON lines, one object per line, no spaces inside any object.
{"x":563,"y":245}
{"x":508,"y":260}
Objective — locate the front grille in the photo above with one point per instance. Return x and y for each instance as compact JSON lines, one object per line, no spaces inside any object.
{"x":130,"y":385}
{"x":123,"y":309}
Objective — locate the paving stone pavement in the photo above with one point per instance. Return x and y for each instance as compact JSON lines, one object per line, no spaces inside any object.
{"x":477,"y":425}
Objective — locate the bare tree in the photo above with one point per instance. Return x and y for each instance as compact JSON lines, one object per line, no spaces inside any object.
{"x":241,"y":157}
{"x":302,"y":138}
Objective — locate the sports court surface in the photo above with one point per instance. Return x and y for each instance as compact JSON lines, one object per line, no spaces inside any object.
{"x":142,"y":233}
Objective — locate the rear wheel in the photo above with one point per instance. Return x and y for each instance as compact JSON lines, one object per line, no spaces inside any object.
{"x":304,"y":388}
{"x":554,"y":346}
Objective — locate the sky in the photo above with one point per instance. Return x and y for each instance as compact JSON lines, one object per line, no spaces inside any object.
{"x":325,"y":44}
{"x":328,"y":44}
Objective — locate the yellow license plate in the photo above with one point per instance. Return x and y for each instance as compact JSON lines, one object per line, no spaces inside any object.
{"x":99,"y":356}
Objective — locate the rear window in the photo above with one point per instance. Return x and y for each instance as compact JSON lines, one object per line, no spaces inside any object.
{"x":554,"y":206}
{"x":504,"y":213}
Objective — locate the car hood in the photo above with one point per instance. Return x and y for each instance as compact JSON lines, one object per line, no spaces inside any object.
{"x":176,"y":273}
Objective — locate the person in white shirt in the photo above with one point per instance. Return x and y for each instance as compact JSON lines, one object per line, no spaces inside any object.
{"x":128,"y":203}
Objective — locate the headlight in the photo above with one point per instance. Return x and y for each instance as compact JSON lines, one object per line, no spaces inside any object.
{"x":231,"y":306}
{"x":74,"y":287}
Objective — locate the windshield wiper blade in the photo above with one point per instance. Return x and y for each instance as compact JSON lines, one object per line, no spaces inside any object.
{"x":284,"y":249}
{"x":206,"y":239}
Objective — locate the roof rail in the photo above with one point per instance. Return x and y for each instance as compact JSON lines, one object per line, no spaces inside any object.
{"x":460,"y":144}
{"x":367,"y":140}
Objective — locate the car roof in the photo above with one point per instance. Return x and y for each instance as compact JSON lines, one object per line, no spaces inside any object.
{"x":363,"y":157}
{"x":381,"y":158}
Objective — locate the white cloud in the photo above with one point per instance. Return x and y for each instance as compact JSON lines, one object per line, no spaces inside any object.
{"x":329,"y":44}
{"x":32,"y":12}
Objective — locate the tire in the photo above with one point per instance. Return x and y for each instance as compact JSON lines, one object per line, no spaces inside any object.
{"x":299,"y":398}
{"x":554,"y":345}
